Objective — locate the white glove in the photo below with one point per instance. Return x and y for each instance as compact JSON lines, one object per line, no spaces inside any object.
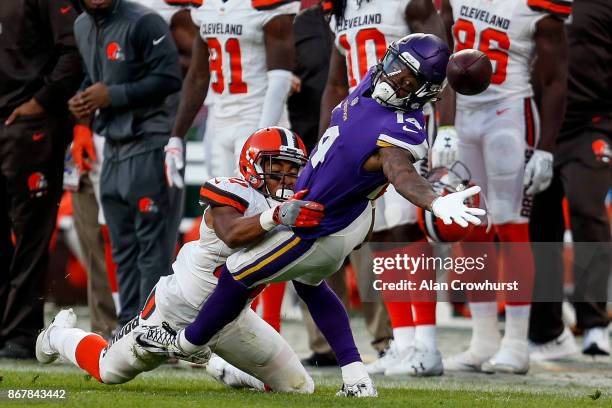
{"x":538,"y":172}
{"x":362,"y":388}
{"x":174,"y":162}
{"x":445,"y":147}
{"x":450,"y":208}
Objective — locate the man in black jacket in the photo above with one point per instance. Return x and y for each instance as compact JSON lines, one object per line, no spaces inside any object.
{"x":39,"y":69}
{"x":129,"y":96}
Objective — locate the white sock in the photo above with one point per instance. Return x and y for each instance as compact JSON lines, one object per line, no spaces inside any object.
{"x":517,"y":322}
{"x":403,"y":337}
{"x":426,"y":334}
{"x":485,"y":334}
{"x":353,"y":372}
{"x":186,"y":345}
{"x":65,"y":341}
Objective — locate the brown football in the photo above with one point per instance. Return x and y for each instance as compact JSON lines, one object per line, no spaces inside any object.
{"x":469,"y":72}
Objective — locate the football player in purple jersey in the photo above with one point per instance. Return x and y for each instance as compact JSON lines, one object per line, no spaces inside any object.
{"x":375,"y":136}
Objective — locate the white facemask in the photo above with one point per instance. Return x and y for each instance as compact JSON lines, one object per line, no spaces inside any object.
{"x":385,"y":95}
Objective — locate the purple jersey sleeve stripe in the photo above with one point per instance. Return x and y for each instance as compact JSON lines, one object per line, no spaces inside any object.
{"x":418,"y":151}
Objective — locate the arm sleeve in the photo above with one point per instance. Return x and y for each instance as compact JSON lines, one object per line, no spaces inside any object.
{"x":407,"y":132}
{"x":560,"y":9}
{"x":223,"y":191}
{"x":279,"y":84}
{"x":153,"y":41}
{"x":64,"y":78}
{"x":329,"y":314}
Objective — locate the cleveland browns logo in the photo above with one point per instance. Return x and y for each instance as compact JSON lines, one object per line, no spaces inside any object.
{"x":602,"y":150}
{"x":147,"y":205}
{"x":114,"y":52}
{"x":37,"y":184}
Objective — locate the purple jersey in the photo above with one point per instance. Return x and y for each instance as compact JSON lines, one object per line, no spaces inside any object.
{"x":334,"y":174}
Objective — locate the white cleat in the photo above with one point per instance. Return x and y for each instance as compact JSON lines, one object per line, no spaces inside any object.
{"x":44,"y":352}
{"x":511,"y":358}
{"x":467,"y":361}
{"x":422,"y":362}
{"x":596,"y":341}
{"x":229,"y":375}
{"x":392,"y":357}
{"x":558,"y":348}
{"x":362,"y":388}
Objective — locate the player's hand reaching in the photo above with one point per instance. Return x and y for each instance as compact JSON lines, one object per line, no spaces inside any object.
{"x":444,"y":149}
{"x":294,"y":212}
{"x":451,"y":208}
{"x":538,"y":172}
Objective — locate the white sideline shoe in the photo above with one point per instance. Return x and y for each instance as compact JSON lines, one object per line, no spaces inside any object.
{"x":422,"y":362}
{"x":392,"y":357}
{"x":511,"y":358}
{"x":44,"y":352}
{"x":468,"y":361}
{"x":596,"y":342}
{"x":558,"y":348}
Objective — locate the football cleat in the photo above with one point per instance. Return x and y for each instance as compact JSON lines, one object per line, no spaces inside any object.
{"x":393,"y":355}
{"x":227,"y":374}
{"x":596,"y":341}
{"x":164,"y":340}
{"x":422,"y":362}
{"x":558,"y":348}
{"x":44,"y":352}
{"x":360,"y":389}
{"x":511,"y":358}
{"x":468,"y":360}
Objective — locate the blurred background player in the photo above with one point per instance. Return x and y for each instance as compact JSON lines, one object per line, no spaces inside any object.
{"x":499,"y":140}
{"x":39,"y":70}
{"x":129,"y":97}
{"x":245,"y":54}
{"x":363,"y":30}
{"x":581,"y":172}
{"x":231,"y":220}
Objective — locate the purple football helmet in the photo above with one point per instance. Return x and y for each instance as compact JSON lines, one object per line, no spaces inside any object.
{"x":412,"y":72}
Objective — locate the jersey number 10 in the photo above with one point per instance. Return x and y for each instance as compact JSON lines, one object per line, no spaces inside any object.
{"x":362,"y":37}
{"x":499,"y":56}
{"x":232,"y":47}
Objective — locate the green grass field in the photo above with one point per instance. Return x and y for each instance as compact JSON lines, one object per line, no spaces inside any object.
{"x":186,"y":387}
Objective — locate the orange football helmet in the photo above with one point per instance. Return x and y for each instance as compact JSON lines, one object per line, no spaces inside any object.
{"x":272,"y":143}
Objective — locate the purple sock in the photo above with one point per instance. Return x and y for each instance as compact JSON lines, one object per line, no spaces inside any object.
{"x":222,"y":307}
{"x":329,"y":314}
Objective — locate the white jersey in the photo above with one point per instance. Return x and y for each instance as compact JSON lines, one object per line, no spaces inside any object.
{"x":234,"y":32}
{"x":366,"y":31}
{"x":197,"y":260}
{"x":504,"y":30}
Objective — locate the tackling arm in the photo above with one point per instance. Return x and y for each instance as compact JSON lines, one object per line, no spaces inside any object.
{"x":336,"y":89}
{"x":233,"y":228}
{"x":551,"y":72}
{"x":195,"y":88}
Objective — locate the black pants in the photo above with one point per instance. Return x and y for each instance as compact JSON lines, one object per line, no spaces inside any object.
{"x":31,"y":170}
{"x":583,"y":176}
{"x":143,"y":215}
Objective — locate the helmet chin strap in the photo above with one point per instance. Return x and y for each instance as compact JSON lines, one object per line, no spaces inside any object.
{"x":385,"y":95}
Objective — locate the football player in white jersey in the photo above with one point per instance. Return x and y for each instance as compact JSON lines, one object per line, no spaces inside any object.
{"x":245,"y":55}
{"x":231,"y":220}
{"x":499,"y":140}
{"x":363,"y":30}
